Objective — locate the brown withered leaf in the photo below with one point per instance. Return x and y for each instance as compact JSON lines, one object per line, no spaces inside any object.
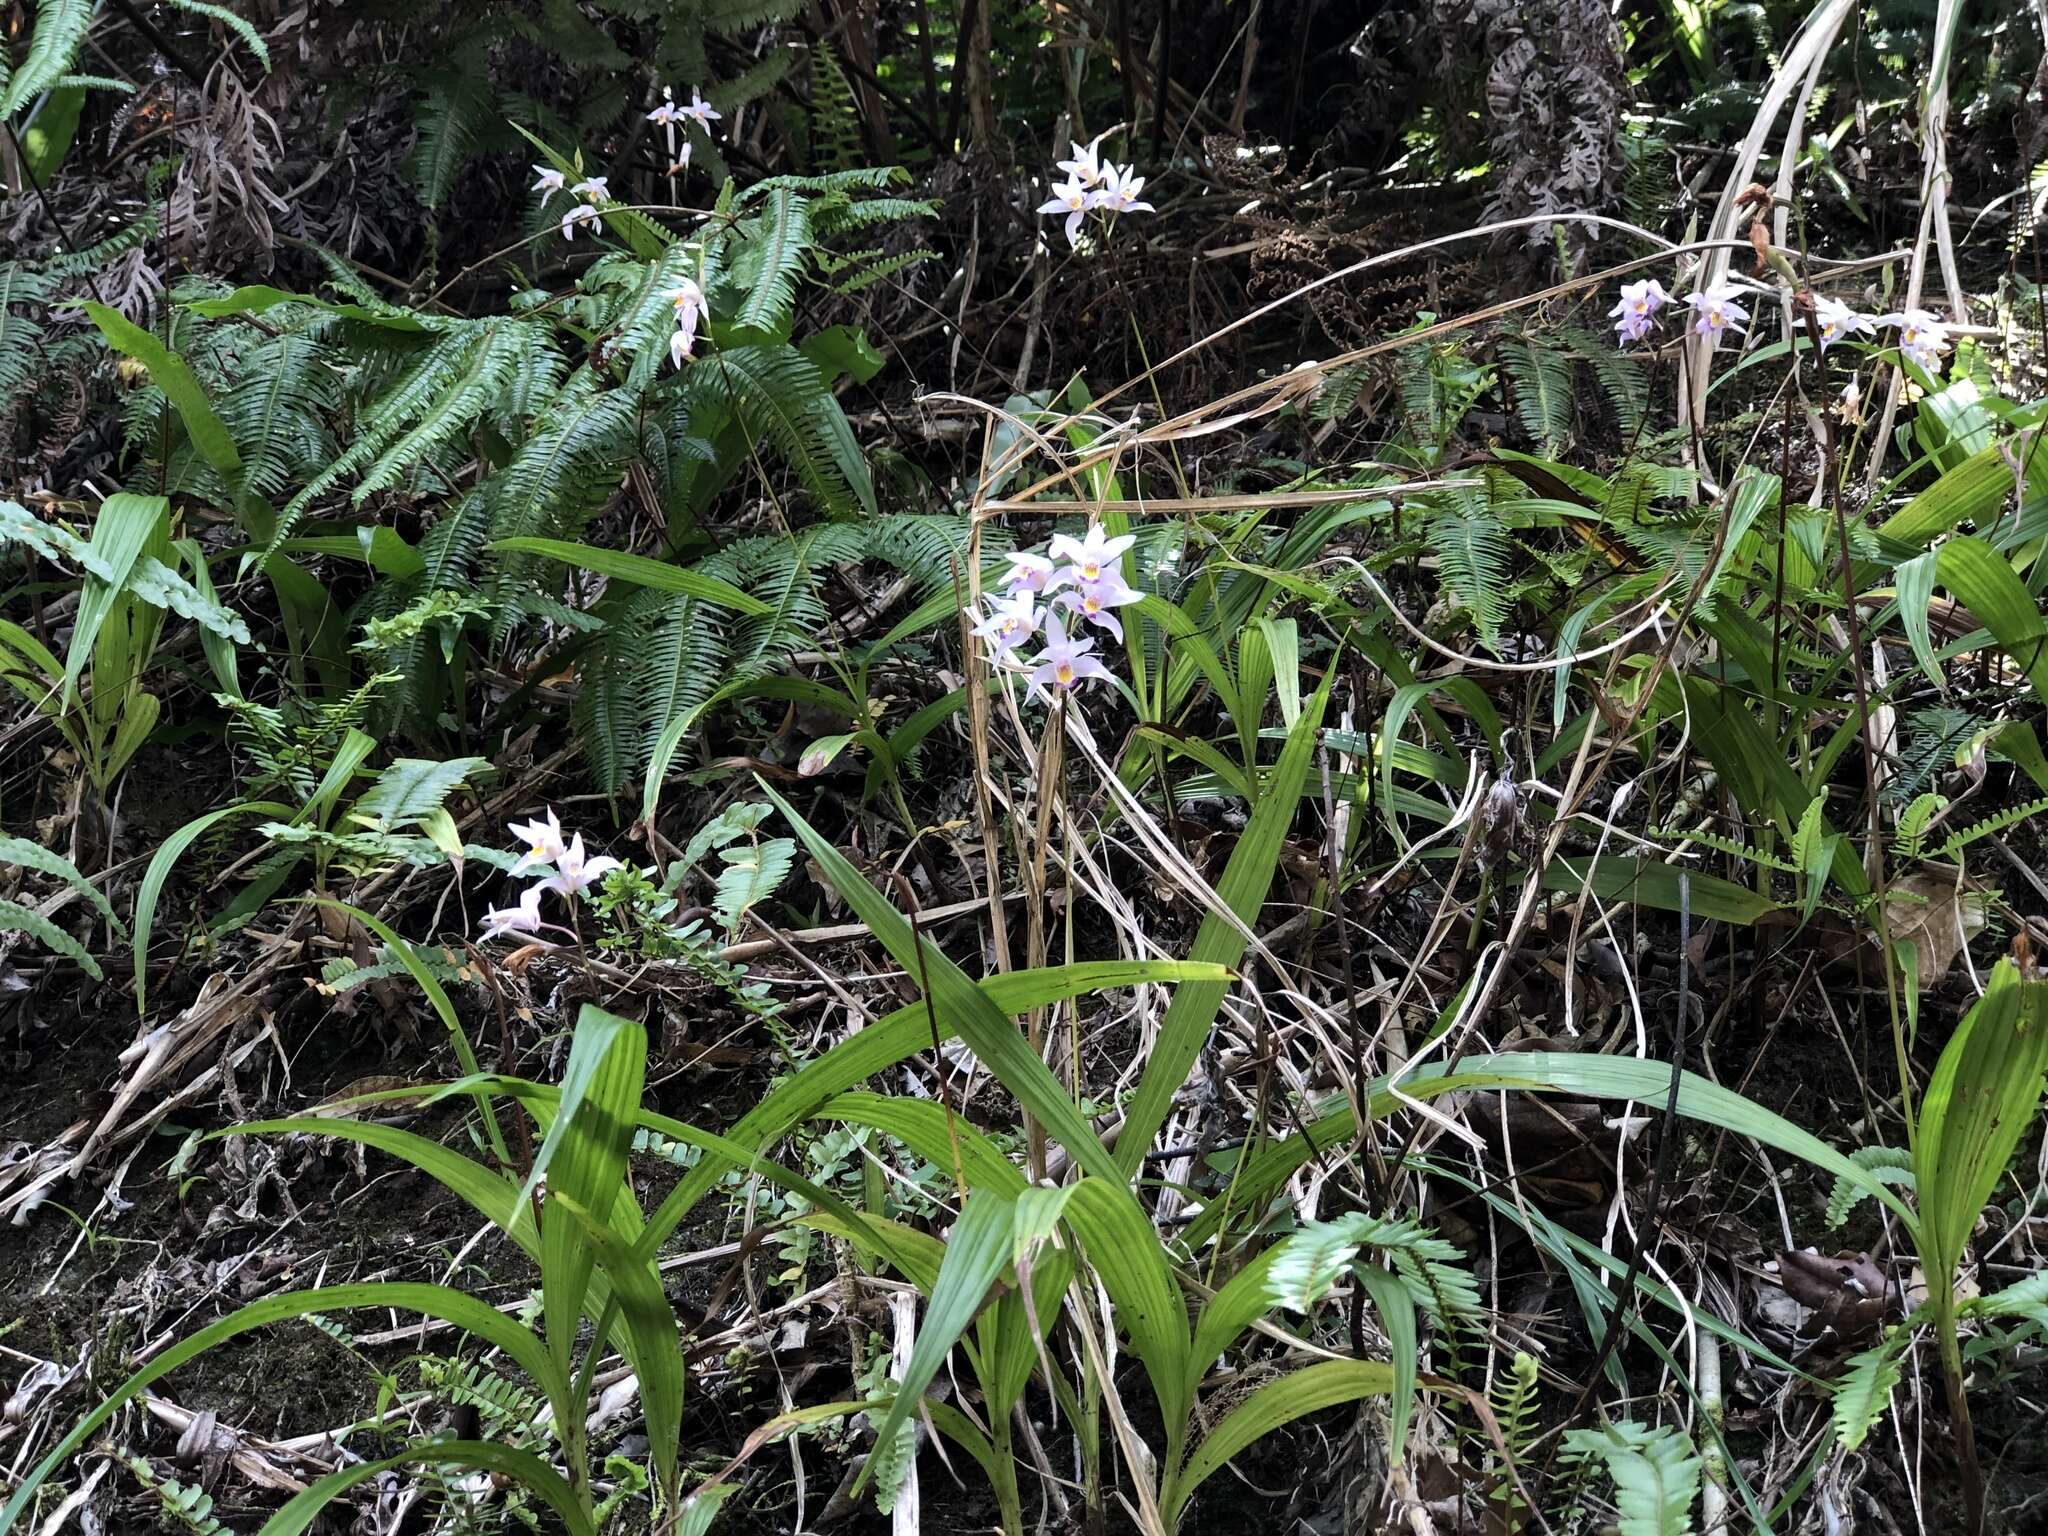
{"x":1931,"y":910}
{"x":1847,"y":1293}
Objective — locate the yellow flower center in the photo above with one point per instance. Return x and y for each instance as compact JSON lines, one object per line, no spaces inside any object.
{"x":1091,"y":572}
{"x":1063,"y":674}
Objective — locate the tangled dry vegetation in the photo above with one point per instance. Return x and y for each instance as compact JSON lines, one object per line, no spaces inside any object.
{"x":1263,"y":770}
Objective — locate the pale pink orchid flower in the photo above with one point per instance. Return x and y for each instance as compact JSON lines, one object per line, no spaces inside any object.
{"x":522,"y":917}
{"x":1086,"y":166}
{"x":1063,"y":663}
{"x":595,"y":189}
{"x":1009,"y":624}
{"x":1119,"y":191}
{"x":700,"y":111}
{"x":668,"y":114}
{"x":1638,"y":308}
{"x":1833,"y":320}
{"x":550,"y":180}
{"x":1092,"y":555}
{"x":1031,"y":573}
{"x":1714,"y":312}
{"x":582,"y":213}
{"x":1095,"y":601}
{"x":1923,"y":336}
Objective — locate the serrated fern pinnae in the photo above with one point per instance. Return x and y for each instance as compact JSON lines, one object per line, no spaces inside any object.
{"x":1860,"y":1396}
{"x":413,"y":788}
{"x":1890,"y":1165}
{"x":60,"y":30}
{"x":775,"y":395}
{"x":1474,"y":559}
{"x":1312,"y":1259}
{"x":1656,"y":1475}
{"x":771,"y":259}
{"x":24,"y":293}
{"x":449,"y":117}
{"x":1539,"y":380}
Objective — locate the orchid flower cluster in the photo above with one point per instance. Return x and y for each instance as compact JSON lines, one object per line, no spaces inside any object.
{"x":1079,"y":578}
{"x":592,"y":194}
{"x":575,"y":872}
{"x":1923,"y":337}
{"x":670,"y":114}
{"x":1095,"y":185}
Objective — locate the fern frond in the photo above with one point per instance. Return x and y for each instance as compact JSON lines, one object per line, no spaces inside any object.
{"x":235,"y":24}
{"x":1863,"y":1392}
{"x":776,"y":393}
{"x":1540,"y":380}
{"x":1889,"y":1165}
{"x":1473,"y":558}
{"x":1310,"y":1261}
{"x":771,"y":259}
{"x":60,"y":29}
{"x":449,"y":118}
{"x":1656,"y":1475}
{"x":24,"y":294}
{"x":2011,"y":816}
{"x":413,"y":788}
{"x":1734,"y":848}
{"x":23,"y":854}
{"x":835,"y":141}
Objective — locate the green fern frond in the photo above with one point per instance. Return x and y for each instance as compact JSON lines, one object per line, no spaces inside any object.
{"x":1311,"y":1260}
{"x":60,"y":30}
{"x":1540,"y":381}
{"x":1621,"y":379}
{"x":835,"y":141}
{"x":1474,"y":558}
{"x":413,"y":788}
{"x":1863,"y":1392}
{"x":2011,"y":816}
{"x":775,"y":393}
{"x":235,"y":24}
{"x":24,"y":294}
{"x":452,"y":113}
{"x":1656,"y":1475}
{"x":1889,"y":1165}
{"x":1734,"y":848}
{"x":770,"y":260}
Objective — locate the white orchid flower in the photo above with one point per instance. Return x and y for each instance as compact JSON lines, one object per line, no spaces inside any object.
{"x":1086,"y":166}
{"x":688,"y":301}
{"x":1119,"y":191}
{"x":700,"y":111}
{"x":1063,"y":663}
{"x":1072,"y":198}
{"x":1716,"y":311}
{"x":576,"y":872}
{"x":550,"y":180}
{"x":543,"y":840}
{"x":582,"y":213}
{"x":1009,"y":624}
{"x":593,"y":189}
{"x":1833,"y":320}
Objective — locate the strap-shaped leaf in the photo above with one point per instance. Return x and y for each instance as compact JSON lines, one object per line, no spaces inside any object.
{"x":203,"y":425}
{"x":439,"y":1301}
{"x":516,"y":1466}
{"x":1246,"y":878}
